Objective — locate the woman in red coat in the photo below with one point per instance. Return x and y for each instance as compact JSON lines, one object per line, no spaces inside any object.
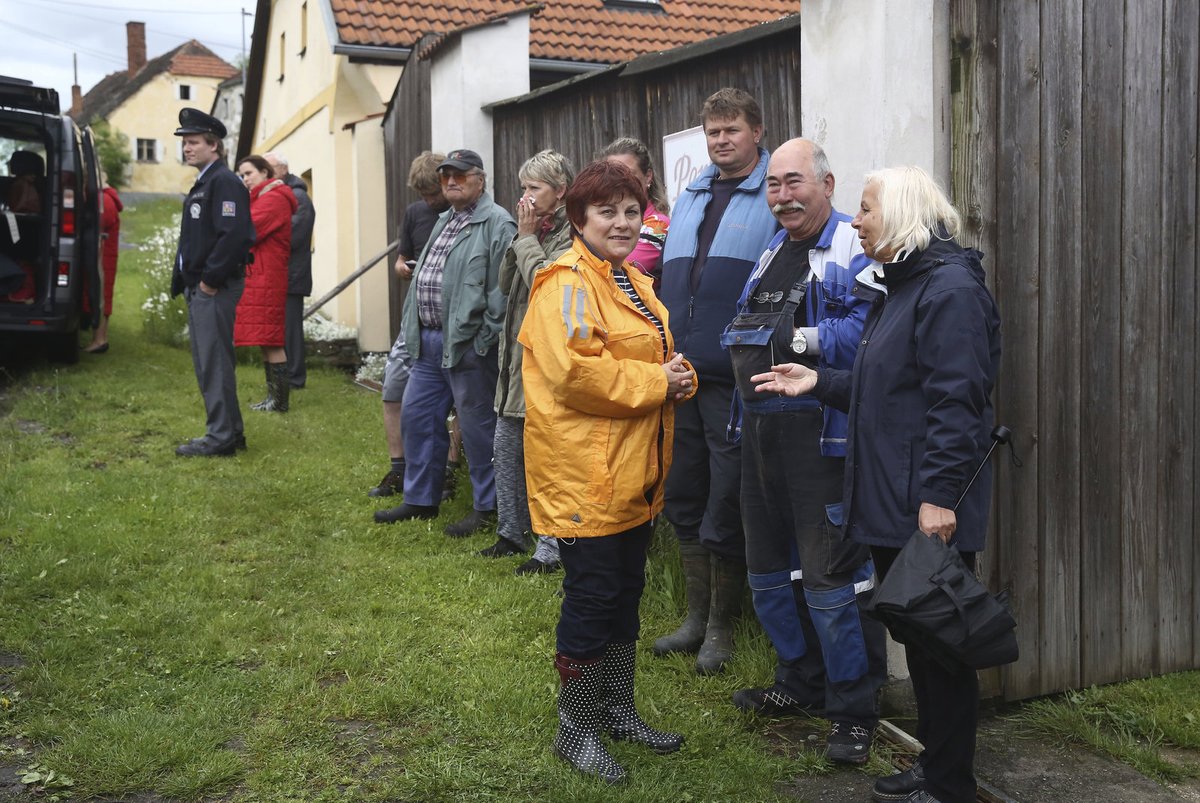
{"x":110,"y":225}
{"x":260,"y":313}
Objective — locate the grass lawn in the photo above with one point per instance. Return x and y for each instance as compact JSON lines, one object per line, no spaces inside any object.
{"x":240,"y":629}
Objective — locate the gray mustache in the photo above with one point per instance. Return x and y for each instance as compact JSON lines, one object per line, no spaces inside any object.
{"x":790,"y":206}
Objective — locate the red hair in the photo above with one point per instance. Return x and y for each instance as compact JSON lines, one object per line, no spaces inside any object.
{"x":599,"y":183}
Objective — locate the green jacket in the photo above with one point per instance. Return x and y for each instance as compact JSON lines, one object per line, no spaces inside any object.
{"x":525,"y":257}
{"x":472,"y":301}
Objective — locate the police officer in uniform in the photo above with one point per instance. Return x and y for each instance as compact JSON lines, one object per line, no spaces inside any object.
{"x":210,"y":268}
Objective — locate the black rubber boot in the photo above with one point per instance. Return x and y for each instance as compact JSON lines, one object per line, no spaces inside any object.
{"x":618,"y":712}
{"x":578,"y":739}
{"x":728,"y":587}
{"x":265,"y":403}
{"x":697,"y":578}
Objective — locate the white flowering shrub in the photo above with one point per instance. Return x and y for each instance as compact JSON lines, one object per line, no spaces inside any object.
{"x":164,"y":319}
{"x":372,"y":366}
{"x":318,"y":329}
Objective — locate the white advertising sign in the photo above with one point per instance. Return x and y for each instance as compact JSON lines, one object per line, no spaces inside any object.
{"x":685,"y":154}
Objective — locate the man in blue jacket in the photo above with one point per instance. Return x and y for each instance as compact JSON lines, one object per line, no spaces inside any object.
{"x":793,"y":456}
{"x":719,"y":227}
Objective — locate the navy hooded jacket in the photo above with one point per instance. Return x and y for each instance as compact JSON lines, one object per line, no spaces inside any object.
{"x":919,"y":398}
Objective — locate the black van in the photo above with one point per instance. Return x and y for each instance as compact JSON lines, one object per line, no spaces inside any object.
{"x":50,"y":196}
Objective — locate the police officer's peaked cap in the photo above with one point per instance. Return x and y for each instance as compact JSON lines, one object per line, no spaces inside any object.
{"x":194,"y":121}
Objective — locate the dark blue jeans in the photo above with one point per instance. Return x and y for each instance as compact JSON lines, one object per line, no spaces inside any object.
{"x":470,"y":387}
{"x":602,"y":591}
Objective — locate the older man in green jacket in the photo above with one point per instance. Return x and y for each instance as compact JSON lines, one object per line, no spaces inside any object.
{"x":452,"y":319}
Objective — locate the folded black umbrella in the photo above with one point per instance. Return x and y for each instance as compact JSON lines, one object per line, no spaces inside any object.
{"x":930,"y":599}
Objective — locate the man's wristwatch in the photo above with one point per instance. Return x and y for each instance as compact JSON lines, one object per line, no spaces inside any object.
{"x":799,"y":342}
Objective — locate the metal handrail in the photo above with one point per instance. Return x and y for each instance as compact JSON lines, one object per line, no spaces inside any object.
{"x":349,"y":280}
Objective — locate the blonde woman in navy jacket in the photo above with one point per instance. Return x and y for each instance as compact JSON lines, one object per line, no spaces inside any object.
{"x":919,"y":398}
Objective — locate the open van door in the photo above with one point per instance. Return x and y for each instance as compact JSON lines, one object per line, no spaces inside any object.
{"x":88,"y":216}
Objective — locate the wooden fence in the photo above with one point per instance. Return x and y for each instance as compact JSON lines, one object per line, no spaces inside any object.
{"x":1075,"y":157}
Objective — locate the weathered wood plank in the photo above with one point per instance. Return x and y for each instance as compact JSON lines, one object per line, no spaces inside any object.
{"x":973,"y":135}
{"x":1059,"y":343}
{"x":1141,"y":266}
{"x":1100,"y":417}
{"x":1177,"y":600}
{"x":1017,"y":278}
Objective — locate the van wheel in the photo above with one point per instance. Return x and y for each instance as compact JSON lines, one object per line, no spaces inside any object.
{"x":63,"y":347}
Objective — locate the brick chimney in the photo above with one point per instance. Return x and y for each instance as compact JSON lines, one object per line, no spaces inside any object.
{"x":76,"y":99}
{"x":135,"y":37}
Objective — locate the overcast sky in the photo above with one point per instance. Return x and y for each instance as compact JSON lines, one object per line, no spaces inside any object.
{"x":39,"y":37}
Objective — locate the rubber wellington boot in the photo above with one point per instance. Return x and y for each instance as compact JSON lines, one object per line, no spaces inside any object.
{"x":728,"y":586}
{"x":578,"y":739}
{"x":618,"y":713}
{"x":265,"y":403}
{"x":697,"y":577}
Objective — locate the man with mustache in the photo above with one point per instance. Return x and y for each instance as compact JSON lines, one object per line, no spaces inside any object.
{"x":830,"y":660}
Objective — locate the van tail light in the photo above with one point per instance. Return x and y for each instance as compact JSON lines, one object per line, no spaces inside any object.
{"x":64,"y":273}
{"x":68,"y":204}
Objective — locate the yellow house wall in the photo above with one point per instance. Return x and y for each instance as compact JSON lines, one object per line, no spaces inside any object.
{"x":304,"y":116}
{"x":153,"y":113}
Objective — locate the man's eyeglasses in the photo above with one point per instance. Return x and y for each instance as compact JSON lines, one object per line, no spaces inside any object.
{"x":445,"y":176}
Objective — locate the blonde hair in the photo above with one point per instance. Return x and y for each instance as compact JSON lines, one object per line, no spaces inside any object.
{"x":914,"y":210}
{"x":550,"y":167}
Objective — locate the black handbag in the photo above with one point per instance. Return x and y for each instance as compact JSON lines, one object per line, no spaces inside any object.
{"x":930,"y":599}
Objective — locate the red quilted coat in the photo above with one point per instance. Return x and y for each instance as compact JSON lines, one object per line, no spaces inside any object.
{"x":260,"y":312}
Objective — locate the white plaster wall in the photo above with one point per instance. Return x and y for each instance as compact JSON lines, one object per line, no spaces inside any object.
{"x":875,"y":92}
{"x":479,"y":67}
{"x":875,"y":87}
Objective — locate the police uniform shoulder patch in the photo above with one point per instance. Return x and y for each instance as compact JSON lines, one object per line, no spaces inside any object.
{"x":228,"y":209}
{"x":194,"y":211}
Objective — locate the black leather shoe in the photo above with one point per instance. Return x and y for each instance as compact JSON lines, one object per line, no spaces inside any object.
{"x":535,"y":566}
{"x":202,"y":448}
{"x":239,"y":442}
{"x":501,"y":549}
{"x":477,"y":520}
{"x":405,"y":512}
{"x":901,"y":785}
{"x":392,"y":483}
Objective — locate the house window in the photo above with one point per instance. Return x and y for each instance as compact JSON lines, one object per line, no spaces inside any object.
{"x":282,"y":52}
{"x":147,"y":150}
{"x":185,"y":91}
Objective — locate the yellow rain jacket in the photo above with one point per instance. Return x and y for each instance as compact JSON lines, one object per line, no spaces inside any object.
{"x":598,"y":425}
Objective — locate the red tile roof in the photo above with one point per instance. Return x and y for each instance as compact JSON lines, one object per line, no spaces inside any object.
{"x":569,"y":30}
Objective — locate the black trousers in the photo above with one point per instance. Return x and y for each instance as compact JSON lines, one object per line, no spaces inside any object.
{"x":947,"y":710}
{"x":604,"y":577}
{"x":704,"y":484}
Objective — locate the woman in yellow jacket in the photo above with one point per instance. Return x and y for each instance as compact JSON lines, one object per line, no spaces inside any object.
{"x":601,"y":379}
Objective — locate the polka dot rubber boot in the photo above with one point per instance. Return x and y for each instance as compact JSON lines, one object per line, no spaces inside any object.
{"x":578,"y":739}
{"x":618,"y":713}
